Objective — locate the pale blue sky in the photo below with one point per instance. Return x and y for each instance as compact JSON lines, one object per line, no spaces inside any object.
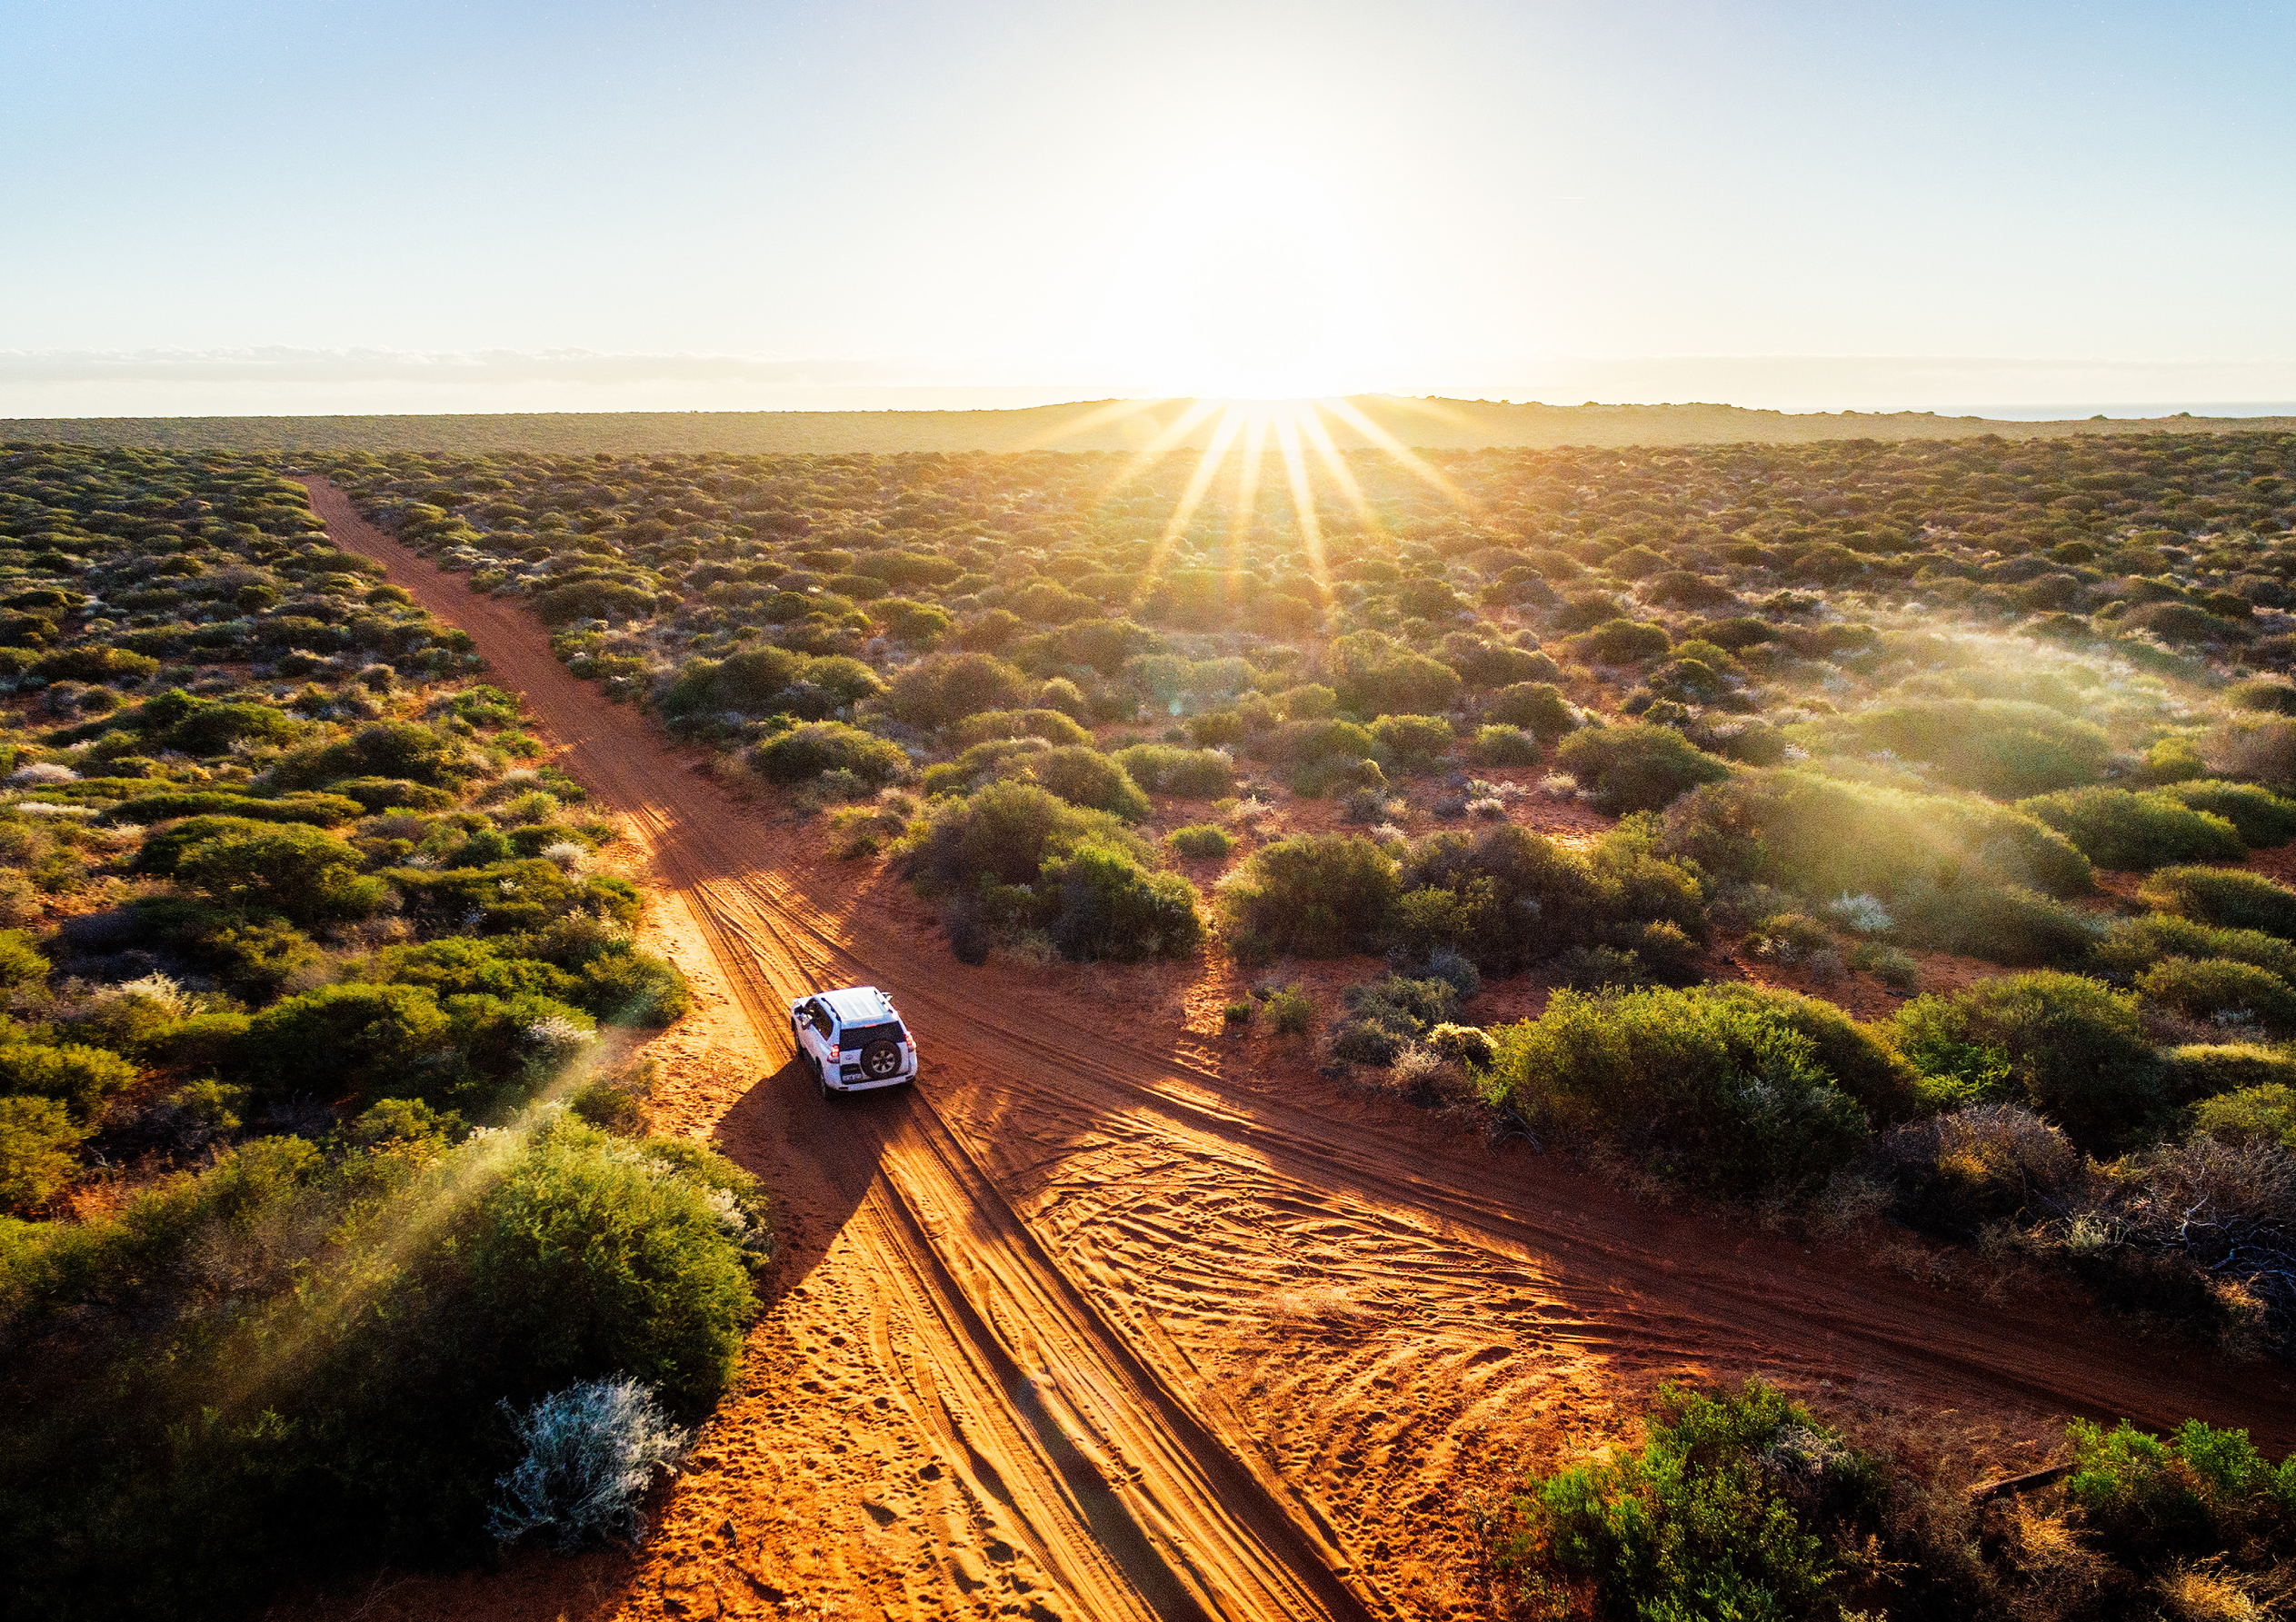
{"x":1233,"y":197}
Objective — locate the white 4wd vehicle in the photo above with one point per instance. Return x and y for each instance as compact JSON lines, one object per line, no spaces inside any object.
{"x":853,"y":1039}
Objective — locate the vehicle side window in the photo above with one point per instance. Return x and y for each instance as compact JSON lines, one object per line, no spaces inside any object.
{"x":821,"y":1019}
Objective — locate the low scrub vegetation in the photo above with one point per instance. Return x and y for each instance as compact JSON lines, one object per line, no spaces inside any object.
{"x":1744,"y":1503}
{"x":292,"y":913}
{"x":1850,"y":705}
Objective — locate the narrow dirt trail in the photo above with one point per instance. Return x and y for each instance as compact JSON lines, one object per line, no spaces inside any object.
{"x":1077,"y":1329}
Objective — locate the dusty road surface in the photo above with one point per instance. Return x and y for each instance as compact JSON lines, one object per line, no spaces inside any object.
{"x":1077,"y":1329}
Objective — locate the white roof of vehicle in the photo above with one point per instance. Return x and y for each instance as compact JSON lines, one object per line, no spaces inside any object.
{"x":857,"y":1005}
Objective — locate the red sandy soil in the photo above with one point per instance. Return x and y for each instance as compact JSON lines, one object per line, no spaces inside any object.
{"x":1117,"y":1316}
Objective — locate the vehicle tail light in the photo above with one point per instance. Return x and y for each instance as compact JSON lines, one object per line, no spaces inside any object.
{"x":832,"y":1055}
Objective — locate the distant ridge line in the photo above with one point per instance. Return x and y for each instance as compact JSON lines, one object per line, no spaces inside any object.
{"x":1081,"y":425}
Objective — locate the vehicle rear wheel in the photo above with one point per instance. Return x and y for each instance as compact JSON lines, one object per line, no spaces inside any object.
{"x":821,"y":1082}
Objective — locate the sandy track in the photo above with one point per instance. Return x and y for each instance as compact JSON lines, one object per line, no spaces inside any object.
{"x":1080,"y":1329}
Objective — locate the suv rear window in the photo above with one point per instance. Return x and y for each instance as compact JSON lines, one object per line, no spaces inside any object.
{"x":861,"y":1035}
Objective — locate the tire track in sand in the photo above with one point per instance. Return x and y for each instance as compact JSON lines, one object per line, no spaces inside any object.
{"x":1226,"y":1306}
{"x":1123,"y":1497}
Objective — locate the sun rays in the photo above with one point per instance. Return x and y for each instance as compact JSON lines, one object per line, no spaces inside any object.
{"x":1242,"y":430}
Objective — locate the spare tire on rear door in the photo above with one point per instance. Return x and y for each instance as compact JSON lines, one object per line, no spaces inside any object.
{"x":881,"y":1059}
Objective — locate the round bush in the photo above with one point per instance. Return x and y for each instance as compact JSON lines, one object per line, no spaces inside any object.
{"x":2218,"y":988}
{"x":1053,"y":725}
{"x":2067,"y":1046}
{"x":2204,"y":1069}
{"x":378,"y":1041}
{"x":1505,"y":746}
{"x":2136,"y":832}
{"x":1637,"y":766}
{"x":1084,"y":777}
{"x":941,"y":688}
{"x":2262,"y":818}
{"x":1623,"y":641}
{"x":1200,"y":842}
{"x":1318,"y":895}
{"x":2265,"y":1114}
{"x":2228,"y":897}
{"x":1413,"y":743}
{"x":1718,"y":1092}
{"x":1184,"y":773}
{"x":806,"y":751}
{"x":1539,"y":708}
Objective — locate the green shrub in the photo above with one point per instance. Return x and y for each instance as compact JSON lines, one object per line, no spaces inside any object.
{"x":1017,"y":857}
{"x":503,"y":897}
{"x":1082,"y":777}
{"x":1539,"y":708}
{"x":1005,"y":832}
{"x":21,"y":963}
{"x":82,"y":1078}
{"x":2220,"y":989}
{"x":806,"y":751}
{"x":2203,"y":1070}
{"x":335,"y":1407}
{"x":1406,"y":1007}
{"x":1290,"y":1013}
{"x":1636,"y":766}
{"x":1505,"y":746}
{"x":1184,"y":774}
{"x":1311,"y":700}
{"x":1316,"y":895}
{"x":322,"y":810}
{"x":294,"y":871}
{"x":1052,"y":725}
{"x":2274,"y":695}
{"x":2132,"y":945}
{"x":1719,"y":1514}
{"x":2262,"y":818}
{"x":2196,"y":1493}
{"x":1200,"y":842}
{"x":1374,"y":675}
{"x":379,"y":1041}
{"x":2260,"y":1114}
{"x":760,"y":680}
{"x":1413,"y":743}
{"x":94,"y":663}
{"x":941,"y":688}
{"x":39,"y":1152}
{"x":1622,"y":642}
{"x":2073,"y":1048}
{"x":2228,"y":898}
{"x":1112,"y":908}
{"x":1823,"y":837}
{"x":633,"y":988}
{"x":1887,"y":964}
{"x":1468,"y":1045}
{"x":394,"y":794}
{"x":1789,"y":938}
{"x":1861,"y":1062}
{"x":2135,"y":833}
{"x":1716,"y":1089}
{"x":2001,"y":924}
{"x":1508,"y":896}
{"x":2003,"y":747}
{"x":1303,"y":742}
{"x":394,"y":749}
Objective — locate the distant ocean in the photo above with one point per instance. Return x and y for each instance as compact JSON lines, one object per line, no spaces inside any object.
{"x":2158,"y":408}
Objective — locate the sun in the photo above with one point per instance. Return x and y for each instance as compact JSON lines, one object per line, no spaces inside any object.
{"x":1240,"y":275}
{"x":1239,"y":437}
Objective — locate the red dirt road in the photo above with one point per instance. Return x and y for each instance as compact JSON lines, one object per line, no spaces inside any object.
{"x":1079,"y":1329}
